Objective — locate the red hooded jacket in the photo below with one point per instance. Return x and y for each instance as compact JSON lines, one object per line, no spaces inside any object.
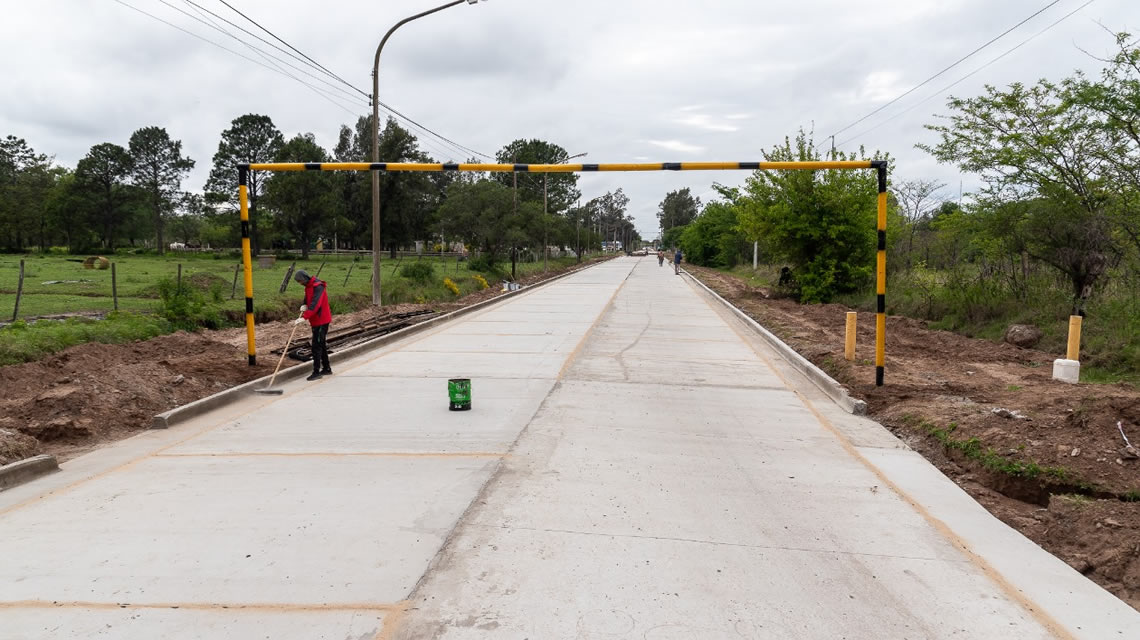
{"x":316,"y":303}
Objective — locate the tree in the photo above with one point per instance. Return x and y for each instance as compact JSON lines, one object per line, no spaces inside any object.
{"x":483,"y":215}
{"x":157,"y":168}
{"x":678,"y":209}
{"x":917,"y":201}
{"x":1037,"y":145}
{"x":713,"y":239}
{"x":251,"y":138}
{"x":25,"y":179}
{"x":101,"y":176}
{"x":561,"y":188}
{"x":303,"y":200}
{"x":821,"y":222}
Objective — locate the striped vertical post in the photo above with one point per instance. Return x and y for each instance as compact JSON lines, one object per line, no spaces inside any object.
{"x":247,"y":261}
{"x":881,"y":276}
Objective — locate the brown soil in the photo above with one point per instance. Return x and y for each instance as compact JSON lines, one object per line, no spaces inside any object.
{"x":93,"y":394}
{"x":1081,"y":501}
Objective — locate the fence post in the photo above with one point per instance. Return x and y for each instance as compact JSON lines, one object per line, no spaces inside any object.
{"x":288,"y":274}
{"x":179,"y":290}
{"x":350,"y":266}
{"x":233,"y":290}
{"x":849,"y":337}
{"x":19,"y":292}
{"x":319,"y":269}
{"x":114,"y":288}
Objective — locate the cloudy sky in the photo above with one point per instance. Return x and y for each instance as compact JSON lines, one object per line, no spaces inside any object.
{"x":622,"y":80}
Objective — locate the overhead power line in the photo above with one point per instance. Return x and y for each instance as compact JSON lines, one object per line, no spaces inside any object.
{"x":295,"y":56}
{"x":319,"y":65}
{"x":236,"y":53}
{"x":965,"y":77}
{"x":955,"y":64}
{"x":386,"y":106}
{"x":269,"y":57}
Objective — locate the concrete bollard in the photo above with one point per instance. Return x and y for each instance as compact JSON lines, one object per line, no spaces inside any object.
{"x":1068,"y":369}
{"x":849,"y":338}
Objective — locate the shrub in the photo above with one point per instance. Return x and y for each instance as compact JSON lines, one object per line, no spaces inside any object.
{"x":185,"y":307}
{"x":481,"y":280}
{"x":484,"y":263}
{"x":419,"y":271}
{"x":21,"y":342}
{"x":451,"y":286}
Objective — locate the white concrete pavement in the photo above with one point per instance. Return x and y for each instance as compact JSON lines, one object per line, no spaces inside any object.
{"x":636,"y":466}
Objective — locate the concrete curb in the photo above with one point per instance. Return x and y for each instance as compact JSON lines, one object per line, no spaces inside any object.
{"x":827,"y":384}
{"x":209,"y":403}
{"x":26,"y":470}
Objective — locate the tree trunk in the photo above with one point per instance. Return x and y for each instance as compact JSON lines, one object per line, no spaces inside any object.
{"x":158,"y":227}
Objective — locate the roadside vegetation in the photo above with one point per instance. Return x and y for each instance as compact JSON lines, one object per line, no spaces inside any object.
{"x":1053,"y":231}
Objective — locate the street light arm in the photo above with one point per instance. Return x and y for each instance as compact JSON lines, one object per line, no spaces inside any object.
{"x":376,"y":68}
{"x":376,"y":299}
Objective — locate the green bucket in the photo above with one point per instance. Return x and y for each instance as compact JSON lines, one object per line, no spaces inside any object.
{"x":459,"y":393}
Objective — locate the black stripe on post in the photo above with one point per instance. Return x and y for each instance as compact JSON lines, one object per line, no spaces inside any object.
{"x":589,"y":167}
{"x":881,"y":303}
{"x":245,"y":228}
{"x":749,"y":165}
{"x":882,"y":176}
{"x":671,"y":166}
{"x":882,"y":240}
{"x":312,"y":166}
{"x":878,"y":376}
{"x":243,"y":175}
{"x":451,"y":166}
{"x":378,"y":166}
{"x":522,"y":167}
{"x":249,"y":305}
{"x":252,"y":360}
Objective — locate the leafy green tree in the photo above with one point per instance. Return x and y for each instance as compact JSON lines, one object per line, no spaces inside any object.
{"x":821,"y":222}
{"x":25,"y":179}
{"x":678,"y":209}
{"x":101,"y":178}
{"x":304,"y":201}
{"x":713,"y":239}
{"x":561,"y":188}
{"x":157,"y":169}
{"x":250,"y":138}
{"x":482,"y":214}
{"x":1038,"y":146}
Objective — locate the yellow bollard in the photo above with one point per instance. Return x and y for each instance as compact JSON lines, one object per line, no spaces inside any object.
{"x":1074,"y":351}
{"x":849,"y":341}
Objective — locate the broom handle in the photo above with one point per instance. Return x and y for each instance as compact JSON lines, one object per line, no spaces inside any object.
{"x":283,"y":352}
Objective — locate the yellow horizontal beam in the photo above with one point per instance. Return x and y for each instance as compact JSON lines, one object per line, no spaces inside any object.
{"x":563,"y":168}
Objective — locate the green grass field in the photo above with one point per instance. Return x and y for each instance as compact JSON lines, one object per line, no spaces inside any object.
{"x":86,"y":290}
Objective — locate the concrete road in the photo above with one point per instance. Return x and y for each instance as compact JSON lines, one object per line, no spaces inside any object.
{"x":638,"y":464}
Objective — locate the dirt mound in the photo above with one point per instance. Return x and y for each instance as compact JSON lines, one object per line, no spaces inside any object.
{"x":96,"y":392}
{"x":991,"y":417}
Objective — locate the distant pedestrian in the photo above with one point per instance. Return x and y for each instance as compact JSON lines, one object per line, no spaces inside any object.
{"x":316,"y":311}
{"x":677,"y":262}
{"x":660,"y":257}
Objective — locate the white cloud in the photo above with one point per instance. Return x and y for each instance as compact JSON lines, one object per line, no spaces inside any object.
{"x":676,"y":145}
{"x":591,"y":75}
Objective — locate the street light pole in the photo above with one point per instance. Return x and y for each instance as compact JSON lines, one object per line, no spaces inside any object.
{"x":376,"y":143}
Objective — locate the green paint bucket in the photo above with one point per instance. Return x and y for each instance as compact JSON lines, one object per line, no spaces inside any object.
{"x":459,"y":393}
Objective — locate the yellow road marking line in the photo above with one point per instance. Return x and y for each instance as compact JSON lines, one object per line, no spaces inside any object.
{"x":941,"y":527}
{"x":202,"y":606}
{"x":336,"y":454}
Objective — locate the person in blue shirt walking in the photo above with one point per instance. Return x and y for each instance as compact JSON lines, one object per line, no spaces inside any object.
{"x":677,"y":262}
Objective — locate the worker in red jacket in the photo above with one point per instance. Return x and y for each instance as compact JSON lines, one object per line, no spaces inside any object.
{"x":316,"y":311}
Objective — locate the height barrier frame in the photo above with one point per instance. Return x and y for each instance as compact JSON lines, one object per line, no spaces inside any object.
{"x":880,"y":166}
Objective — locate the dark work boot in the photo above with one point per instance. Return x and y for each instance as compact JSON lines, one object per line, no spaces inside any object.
{"x":316,"y":375}
{"x":326,"y":372}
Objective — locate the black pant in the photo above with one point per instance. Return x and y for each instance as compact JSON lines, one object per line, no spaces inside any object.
{"x":320,"y":348}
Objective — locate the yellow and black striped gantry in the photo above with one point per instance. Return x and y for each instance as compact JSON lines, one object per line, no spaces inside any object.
{"x":880,"y":166}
